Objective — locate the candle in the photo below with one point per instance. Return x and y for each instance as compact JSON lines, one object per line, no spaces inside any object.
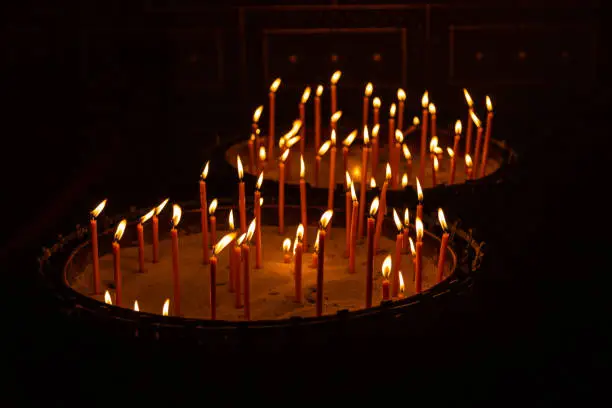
{"x":203,"y":212}
{"x":346,"y":144}
{"x":256,"y":116}
{"x":468,"y":167}
{"x":176,"y":284}
{"x":246,"y":242}
{"x":370,"y":253}
{"x":305,"y":96}
{"x":413,"y":254}
{"x":251,"y":145}
{"x":333,"y":120}
{"x":443,"y":245}
{"x":334,"y":81}
{"x":433,"y":144}
{"x":321,"y":259}
{"x":478,"y":140}
{"x":303,"y":202}
{"x":347,"y":213}
{"x":353,"y":229}
{"x":485,"y":149}
{"x":414,"y":127}
{"x":257,"y":203}
{"x":93,"y":226}
{"x":315,"y":252}
{"x":470,"y":125}
{"x":399,"y":139}
{"x":117,"y":261}
{"x":406,"y":229}
{"x":261,"y":164}
{"x":401,"y":285}
{"x":401,"y":98}
{"x":322,"y":150}
{"x":364,"y":178}
{"x":419,"y":256}
{"x":332,"y":174}
{"x":155,"y":223}
{"x":297,"y":252}
{"x":376,"y":102}
{"x":213,"y":221}
{"x":232,"y":263}
{"x":398,"y":252}
{"x":451,"y":155}
{"x":386,"y":270}
{"x":366,"y":103}
{"x":425,"y":122}
{"x":140,"y":230}
{"x":434,"y":122}
{"x":271,"y":126}
{"x":217,"y":248}
{"x":374,"y":149}
{"x":287,"y":250}
{"x":236,"y":253}
{"x":419,"y":213}
{"x":107,"y":298}
{"x":408,"y":157}
{"x":392,"y":110}
{"x":383,"y":209}
{"x":317,"y":104}
{"x":281,"y":192}
{"x":435,"y":165}
{"x":241,"y":194}
{"x":457,"y":137}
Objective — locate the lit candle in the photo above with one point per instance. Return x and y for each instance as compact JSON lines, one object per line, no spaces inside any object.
{"x":433,"y":144}
{"x":401,"y":98}
{"x":413,"y":256}
{"x":321,"y":152}
{"x":246,"y":242}
{"x":392,"y":110}
{"x":478,"y":141}
{"x":370,"y":253}
{"x":136,"y":308}
{"x":287,"y":250}
{"x":213,"y":221}
{"x":364,"y":177}
{"x":404,"y":180}
{"x":408,"y":157}
{"x":419,"y":213}
{"x":334,"y":81}
{"x":419,"y":256}
{"x":321,"y":259}
{"x":107,"y":298}
{"x":386,"y":270}
{"x":376,"y":102}
{"x":374,"y":149}
{"x":315,"y":252}
{"x":262,"y":158}
{"x":93,"y":228}
{"x":303,"y":202}
{"x":414,"y":127}
{"x":333,"y":120}
{"x":470,"y":125}
{"x":383,"y":209}
{"x":281,"y":192}
{"x":366,"y":103}
{"x":398,"y":252}
{"x":166,"y":307}
{"x":155,"y":223}
{"x":140,"y":230}
{"x":435,"y":165}
{"x":401,"y":278}
{"x":256,"y":116}
{"x":271,"y":126}
{"x":468,"y":167}
{"x":317,"y":104}
{"x":253,"y":140}
{"x":424,"y":124}
{"x":203,"y":212}
{"x":217,"y":248}
{"x":232,"y":260}
{"x":399,"y":139}
{"x":332,"y":175}
{"x":251,"y":145}
{"x":433,"y":118}
{"x":297,"y":252}
{"x":453,"y":165}
{"x":241,"y":194}
{"x":406,"y":229}
{"x":347,"y":213}
{"x":353,"y":244}
{"x":257,"y":202}
{"x":303,"y":101}
{"x":117,"y":261}
{"x":443,"y":245}
{"x":458,"y":129}
{"x":176,"y":283}
{"x":346,"y":144}
{"x":485,"y":149}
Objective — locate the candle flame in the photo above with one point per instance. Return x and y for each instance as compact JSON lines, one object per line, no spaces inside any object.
{"x":416,"y":121}
{"x":405,"y":180}
{"x":230,"y":220}
{"x":325,"y":218}
{"x":302,"y":166}
{"x":425,"y":100}
{"x":386,"y":267}
{"x":299,"y":233}
{"x":306,"y":95}
{"x":374,"y":207}
{"x":406,"y":217}
{"x":458,"y":127}
{"x":412,"y":249}
{"x":213,"y":206}
{"x":241,"y":239}
{"x":442,"y":219}
{"x":316,"y":243}
{"x":293,"y":141}
{"x":176,"y":214}
{"x":406,"y":150}
{"x":136,"y":308}
{"x":350,"y":138}
{"x":295,"y":244}
{"x":366,"y":136}
{"x":319,"y":90}
{"x":107,"y":298}
{"x":147,"y":216}
{"x":433,"y":144}
{"x":262,"y":153}
{"x":468,"y":98}
{"x":388,"y":172}
{"x":161,"y":206}
{"x":257,"y":113}
{"x":392,"y":110}
{"x":419,"y":190}
{"x":324,"y":148}
{"x":436,"y":164}
{"x":401,"y":95}
{"x":260,"y":201}
{"x":286,"y":244}
{"x":166,"y":307}
{"x":401,"y":279}
{"x":336,"y":77}
{"x":432,"y":108}
{"x":284,"y":156}
{"x":475,"y":119}
{"x":240,"y":169}
{"x":259,"y":180}
{"x":372,"y":182}
{"x":468,"y":160}
{"x":349,"y":181}
{"x":438,"y":150}
{"x":375,"y":130}
{"x":96,"y":211}
{"x":251,"y":230}
{"x":353,"y":194}
{"x":489,"y":104}
{"x":120,"y":230}
{"x":451,"y":154}
{"x":223,"y":242}
{"x":419,"y":229}
{"x":275,"y":85}
{"x":396,"y":219}
{"x":336,"y":116}
{"x":399,"y":136}
{"x":376,"y":102}
{"x":333,"y":137}
{"x":368,"y":89}
{"x":205,"y":171}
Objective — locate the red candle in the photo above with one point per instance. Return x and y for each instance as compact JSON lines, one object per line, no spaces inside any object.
{"x":386,"y":270}
{"x":376,"y":102}
{"x":401,"y":278}
{"x":374,"y":149}
{"x":317,"y":104}
{"x":251,"y":145}
{"x":401,"y":98}
{"x":155,"y":223}
{"x":353,"y":243}
{"x":255,"y":124}
{"x":281,"y":192}
{"x":257,"y":202}
{"x":434,"y":122}
{"x":443,"y":245}
{"x":140,"y":230}
{"x":176,"y":284}
{"x":470,"y":124}
{"x":303,"y":202}
{"x":315,"y":252}
{"x":366,"y":103}
{"x":478,"y":140}
{"x":399,"y":138}
{"x":382,"y":211}
{"x":370,"y":254}
{"x":406,"y":229}
{"x":271,"y":126}
{"x":453,"y":165}
{"x":398,"y":253}
{"x":419,"y":212}
{"x":321,"y":259}
{"x":298,"y":263}
{"x":117,"y":261}
{"x":233,"y":272}
{"x":261,"y":163}
{"x":485,"y":151}
{"x":468,"y":167}
{"x":364,"y":179}
{"x":93,"y":226}
{"x":217,"y":248}
{"x":241,"y":195}
{"x":332,"y":175}
{"x":305,"y":97}
{"x":334,"y":81}
{"x":345,"y":148}
{"x":347,"y":213}
{"x":418,"y":273}
{"x":204,"y":213}
{"x":391,"y":128}
{"x":213,"y":221}
{"x":425,"y":122}
{"x":457,"y":137}
{"x":434,"y":169}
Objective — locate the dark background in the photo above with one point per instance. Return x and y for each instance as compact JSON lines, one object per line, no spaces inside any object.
{"x":124,"y":100}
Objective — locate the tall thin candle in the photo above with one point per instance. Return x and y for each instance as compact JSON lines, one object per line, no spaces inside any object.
{"x":117,"y":261}
{"x":418,"y":273}
{"x":321,"y":259}
{"x":374,"y":149}
{"x":458,"y":129}
{"x":419,"y":212}
{"x":398,"y":253}
{"x":353,"y":229}
{"x":386,"y":271}
{"x":392,"y":111}
{"x":453,"y":165}
{"x":204,"y":213}
{"x":257,"y":203}
{"x":364,"y":179}
{"x":332,"y":175}
{"x":485,"y":149}
{"x":176,"y":282}
{"x":155,"y":224}
{"x":232,"y":261}
{"x":401,"y":98}
{"x":303,"y":201}
{"x":272,"y":111}
{"x":370,"y":253}
{"x":302,"y":107}
{"x":470,"y":124}
{"x":246,"y":263}
{"x":140,"y":230}
{"x":217,"y":248}
{"x":366,"y":103}
{"x":382,"y":211}
{"x":281,"y":192}
{"x":317,"y":107}
{"x":443,"y":245}
{"x":298,"y":251}
{"x":93,"y":227}
{"x":241,"y":194}
{"x":347,"y":213}
{"x":334,"y":81}
{"x":213,"y":221}
{"x":478,"y":140}
{"x":376,"y":102}
{"x":433,"y":119}
{"x":424,"y":124}
{"x":395,"y":170}
{"x":406,"y":229}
